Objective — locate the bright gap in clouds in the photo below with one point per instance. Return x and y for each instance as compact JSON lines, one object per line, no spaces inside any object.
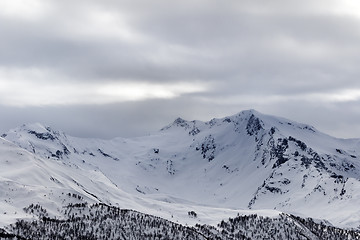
{"x":33,"y":87}
{"x":26,"y":94}
{"x":344,"y":95}
{"x":338,"y":96}
{"x":23,"y":9}
{"x":142,"y":91}
{"x":347,"y":7}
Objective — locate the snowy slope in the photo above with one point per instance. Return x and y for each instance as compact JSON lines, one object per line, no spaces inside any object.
{"x":245,"y":161}
{"x":27,"y":179}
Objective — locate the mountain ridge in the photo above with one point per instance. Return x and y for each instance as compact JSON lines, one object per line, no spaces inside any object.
{"x":247,"y":160}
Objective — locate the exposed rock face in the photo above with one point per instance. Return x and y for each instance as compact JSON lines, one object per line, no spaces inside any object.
{"x":248,"y":160}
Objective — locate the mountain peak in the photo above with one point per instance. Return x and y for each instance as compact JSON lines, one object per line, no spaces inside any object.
{"x":179,"y":121}
{"x":247,"y":160}
{"x":270,"y":121}
{"x":249,"y":112}
{"x":36,"y":137}
{"x":249,"y":120}
{"x":37,"y":127}
{"x":39,"y":130}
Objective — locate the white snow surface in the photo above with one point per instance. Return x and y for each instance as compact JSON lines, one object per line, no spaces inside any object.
{"x":246,"y":163}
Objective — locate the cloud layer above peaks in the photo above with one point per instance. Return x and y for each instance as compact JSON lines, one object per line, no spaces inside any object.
{"x":297,"y":59}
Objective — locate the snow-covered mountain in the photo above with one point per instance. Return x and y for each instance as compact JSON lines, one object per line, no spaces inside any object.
{"x":242,"y":163}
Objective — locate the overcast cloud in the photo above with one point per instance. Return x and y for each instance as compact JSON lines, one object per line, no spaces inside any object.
{"x":126,"y":68}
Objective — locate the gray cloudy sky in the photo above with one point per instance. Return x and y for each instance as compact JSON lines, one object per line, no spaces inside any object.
{"x":126,"y":68}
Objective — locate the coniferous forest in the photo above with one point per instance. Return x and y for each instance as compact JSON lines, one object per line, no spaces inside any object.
{"x":101,"y":221}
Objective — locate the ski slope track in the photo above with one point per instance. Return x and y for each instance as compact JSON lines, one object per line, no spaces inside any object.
{"x":248,"y":163}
